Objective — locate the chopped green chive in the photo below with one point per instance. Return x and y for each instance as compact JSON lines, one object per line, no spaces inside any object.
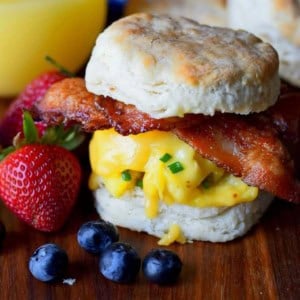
{"x":175,"y":167}
{"x":126,"y":176}
{"x":205,"y":184}
{"x":166,"y":157}
{"x":139,"y":183}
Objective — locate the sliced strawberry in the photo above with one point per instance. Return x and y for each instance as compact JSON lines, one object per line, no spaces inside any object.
{"x":11,"y":123}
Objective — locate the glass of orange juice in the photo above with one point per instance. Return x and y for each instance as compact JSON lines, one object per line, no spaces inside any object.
{"x":32,"y":29}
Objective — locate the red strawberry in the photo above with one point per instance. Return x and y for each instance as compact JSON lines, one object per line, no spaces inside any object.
{"x":39,"y":179}
{"x":40,"y":183}
{"x":11,"y":123}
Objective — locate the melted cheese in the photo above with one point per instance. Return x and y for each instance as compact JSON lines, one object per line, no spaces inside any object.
{"x":201,"y":183}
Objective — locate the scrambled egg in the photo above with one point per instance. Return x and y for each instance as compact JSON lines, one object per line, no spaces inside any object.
{"x":166,"y":168}
{"x":173,"y":235}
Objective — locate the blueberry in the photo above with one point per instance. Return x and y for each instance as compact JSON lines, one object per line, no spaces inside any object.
{"x":2,"y":232}
{"x":119,"y":262}
{"x":95,"y":236}
{"x":162,"y":266}
{"x":48,"y":263}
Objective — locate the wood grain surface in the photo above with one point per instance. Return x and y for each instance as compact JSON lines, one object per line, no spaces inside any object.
{"x":265,"y":264}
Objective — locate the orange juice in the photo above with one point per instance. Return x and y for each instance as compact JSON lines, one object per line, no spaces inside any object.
{"x":31,"y":29}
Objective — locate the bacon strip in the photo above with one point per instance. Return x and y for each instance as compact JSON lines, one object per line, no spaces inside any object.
{"x":126,"y":119}
{"x":68,"y":102}
{"x":285,"y":115}
{"x":246,"y":146}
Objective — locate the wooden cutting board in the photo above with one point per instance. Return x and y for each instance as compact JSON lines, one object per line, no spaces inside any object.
{"x":265,"y":264}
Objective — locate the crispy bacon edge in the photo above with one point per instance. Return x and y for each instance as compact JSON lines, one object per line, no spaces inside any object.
{"x":68,"y":102}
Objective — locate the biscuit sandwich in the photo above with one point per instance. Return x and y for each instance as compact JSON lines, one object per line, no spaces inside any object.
{"x":185,"y":144}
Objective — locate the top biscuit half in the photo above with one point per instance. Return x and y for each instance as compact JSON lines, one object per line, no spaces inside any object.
{"x":169,"y":66}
